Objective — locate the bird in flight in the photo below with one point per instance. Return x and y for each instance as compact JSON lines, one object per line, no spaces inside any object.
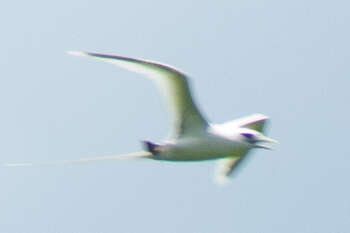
{"x":192,"y":137}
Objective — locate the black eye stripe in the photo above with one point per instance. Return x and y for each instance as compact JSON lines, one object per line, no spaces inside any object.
{"x":248,"y":135}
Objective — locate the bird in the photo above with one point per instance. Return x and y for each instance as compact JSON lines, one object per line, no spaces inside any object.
{"x":192,"y":137}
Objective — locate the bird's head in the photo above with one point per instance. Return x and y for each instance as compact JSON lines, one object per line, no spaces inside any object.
{"x":255,"y":138}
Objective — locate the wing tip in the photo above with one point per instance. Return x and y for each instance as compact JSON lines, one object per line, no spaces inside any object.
{"x":222,"y":180}
{"x":260,"y":116}
{"x":77,"y":53}
{"x":94,"y":55}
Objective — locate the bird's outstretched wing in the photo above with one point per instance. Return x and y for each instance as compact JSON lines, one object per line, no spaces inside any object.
{"x":137,"y":155}
{"x":174,"y":86}
{"x":226,"y":167}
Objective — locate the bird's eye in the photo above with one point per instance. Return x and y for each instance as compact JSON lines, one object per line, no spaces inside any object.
{"x":248,"y":136}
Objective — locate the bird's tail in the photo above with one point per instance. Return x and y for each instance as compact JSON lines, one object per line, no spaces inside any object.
{"x":137,"y":155}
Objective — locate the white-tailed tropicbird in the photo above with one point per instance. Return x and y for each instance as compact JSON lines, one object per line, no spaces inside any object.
{"x":192,"y":137}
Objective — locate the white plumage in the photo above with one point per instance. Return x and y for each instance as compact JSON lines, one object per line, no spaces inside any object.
{"x":192,"y":137}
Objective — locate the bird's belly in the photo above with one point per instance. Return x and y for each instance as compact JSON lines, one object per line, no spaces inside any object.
{"x":196,"y":149}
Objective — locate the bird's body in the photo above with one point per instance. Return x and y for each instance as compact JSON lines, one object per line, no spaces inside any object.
{"x":192,"y":137}
{"x":204,"y":147}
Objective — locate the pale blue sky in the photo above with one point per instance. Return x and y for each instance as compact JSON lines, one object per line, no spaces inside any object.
{"x":286,"y":59}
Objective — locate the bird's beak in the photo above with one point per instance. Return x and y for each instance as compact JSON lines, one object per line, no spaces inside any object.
{"x":264,"y":139}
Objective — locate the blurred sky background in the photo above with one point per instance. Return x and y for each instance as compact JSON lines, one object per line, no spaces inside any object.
{"x":286,"y":59}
